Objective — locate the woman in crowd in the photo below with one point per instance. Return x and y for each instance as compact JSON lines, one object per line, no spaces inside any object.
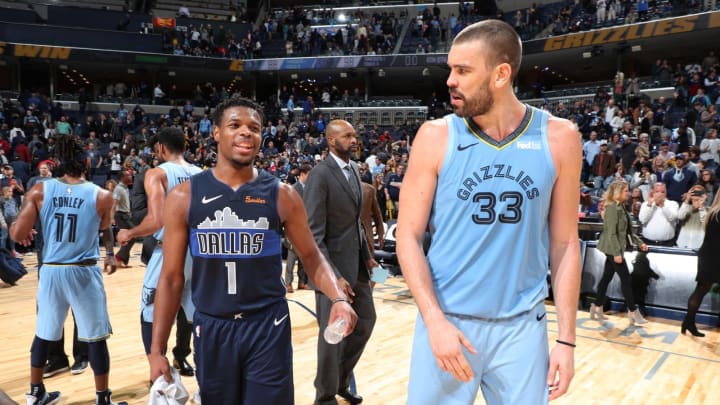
{"x":633,"y":204}
{"x":644,"y":180}
{"x":707,"y":180}
{"x":708,"y":267}
{"x":659,"y":167}
{"x":692,"y":216}
{"x":709,"y":148}
{"x":621,"y":174}
{"x":379,"y":183}
{"x":617,"y":230}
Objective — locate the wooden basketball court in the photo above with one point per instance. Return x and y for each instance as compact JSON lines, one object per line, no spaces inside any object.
{"x":615,"y":363}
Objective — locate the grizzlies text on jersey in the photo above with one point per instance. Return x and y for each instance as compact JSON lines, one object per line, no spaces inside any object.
{"x":490,"y":191}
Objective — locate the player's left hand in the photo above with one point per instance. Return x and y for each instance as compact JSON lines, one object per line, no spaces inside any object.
{"x":110,"y":262}
{"x":343,"y":310}
{"x":562,"y":370}
{"x":371,"y":263}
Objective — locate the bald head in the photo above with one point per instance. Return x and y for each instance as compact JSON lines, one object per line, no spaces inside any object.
{"x":341,"y":138}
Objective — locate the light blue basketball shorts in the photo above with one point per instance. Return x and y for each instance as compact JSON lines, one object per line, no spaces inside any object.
{"x":150,"y":282}
{"x":510,"y":366}
{"x":80,"y":288}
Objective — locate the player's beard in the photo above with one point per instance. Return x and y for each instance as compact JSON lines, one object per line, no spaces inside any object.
{"x":344,"y":153}
{"x":478,"y":104}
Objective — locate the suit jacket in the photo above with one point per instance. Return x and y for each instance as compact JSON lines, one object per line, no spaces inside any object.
{"x":299,"y":188}
{"x":334,"y":218}
{"x":617,"y":231}
{"x":369,"y":213}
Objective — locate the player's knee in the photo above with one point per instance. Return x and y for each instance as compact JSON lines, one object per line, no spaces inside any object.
{"x":39,"y":352}
{"x":99,"y":357}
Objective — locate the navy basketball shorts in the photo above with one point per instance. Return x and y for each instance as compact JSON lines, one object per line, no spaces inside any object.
{"x":246,"y":358}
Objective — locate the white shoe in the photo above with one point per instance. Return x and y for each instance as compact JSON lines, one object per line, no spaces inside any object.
{"x":636,"y":317}
{"x":49,"y":398}
{"x":596,"y":313}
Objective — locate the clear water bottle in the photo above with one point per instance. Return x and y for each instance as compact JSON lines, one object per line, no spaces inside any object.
{"x":335,"y":332}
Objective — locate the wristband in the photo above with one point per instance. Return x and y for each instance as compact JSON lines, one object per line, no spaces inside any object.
{"x":109,"y":253}
{"x":339,"y":299}
{"x":562,"y":342}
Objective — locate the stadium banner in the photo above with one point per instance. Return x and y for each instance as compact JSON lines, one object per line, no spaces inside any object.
{"x":344,"y":62}
{"x":624,"y":33}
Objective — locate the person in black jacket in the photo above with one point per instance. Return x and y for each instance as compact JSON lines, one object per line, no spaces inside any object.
{"x":708,"y":267}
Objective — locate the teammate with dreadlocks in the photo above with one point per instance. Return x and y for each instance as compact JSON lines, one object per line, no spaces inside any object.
{"x":67,"y":208}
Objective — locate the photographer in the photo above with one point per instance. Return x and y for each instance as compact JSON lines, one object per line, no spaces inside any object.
{"x":692,"y":218}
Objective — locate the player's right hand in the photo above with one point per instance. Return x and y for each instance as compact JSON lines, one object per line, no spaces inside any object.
{"x":159,"y":365}
{"x":123,"y":236}
{"x":446,"y":342}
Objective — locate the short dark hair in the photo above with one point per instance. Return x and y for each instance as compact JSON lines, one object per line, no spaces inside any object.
{"x":236,"y":102}
{"x":502,"y":43}
{"x":172,"y":138}
{"x":71,"y":154}
{"x":305,"y":168}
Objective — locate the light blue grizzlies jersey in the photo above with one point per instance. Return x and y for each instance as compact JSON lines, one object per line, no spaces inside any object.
{"x":176,"y":174}
{"x":489,"y":222}
{"x":70,"y":222}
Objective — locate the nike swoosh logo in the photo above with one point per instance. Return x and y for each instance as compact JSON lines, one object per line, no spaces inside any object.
{"x":463,"y":147}
{"x":206,"y":200}
{"x":539,"y":317}
{"x":279,"y":321}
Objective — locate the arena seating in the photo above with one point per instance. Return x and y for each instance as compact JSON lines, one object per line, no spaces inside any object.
{"x":207,"y":9}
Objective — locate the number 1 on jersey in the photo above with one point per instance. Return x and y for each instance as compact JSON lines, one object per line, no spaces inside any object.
{"x":232,"y":278}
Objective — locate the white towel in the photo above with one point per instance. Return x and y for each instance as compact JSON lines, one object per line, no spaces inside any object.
{"x":162,"y":393}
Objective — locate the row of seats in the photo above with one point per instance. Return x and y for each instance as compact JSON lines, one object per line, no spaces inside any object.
{"x":209,"y":10}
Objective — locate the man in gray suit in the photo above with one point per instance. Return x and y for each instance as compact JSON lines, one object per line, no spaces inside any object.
{"x":292,"y":257}
{"x":333,"y":199}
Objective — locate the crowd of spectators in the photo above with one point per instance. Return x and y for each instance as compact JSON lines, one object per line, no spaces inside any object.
{"x":666,"y":149}
{"x":116,"y":142}
{"x":207,"y":40}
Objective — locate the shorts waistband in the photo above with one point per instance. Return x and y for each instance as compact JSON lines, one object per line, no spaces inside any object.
{"x":483,"y":319}
{"x":89,"y":262}
{"x":235,"y":317}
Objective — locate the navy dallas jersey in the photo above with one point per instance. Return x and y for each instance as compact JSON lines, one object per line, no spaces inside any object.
{"x":235,"y":244}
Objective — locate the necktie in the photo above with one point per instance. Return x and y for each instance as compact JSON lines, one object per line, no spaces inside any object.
{"x":354,"y":186}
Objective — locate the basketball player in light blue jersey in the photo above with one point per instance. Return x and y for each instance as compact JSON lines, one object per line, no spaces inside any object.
{"x":69,"y":209}
{"x":169,"y":147}
{"x":496,"y":184}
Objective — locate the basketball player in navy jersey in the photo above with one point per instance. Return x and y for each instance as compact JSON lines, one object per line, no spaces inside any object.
{"x":169,"y":147}
{"x":68,"y":208}
{"x":231,"y":217}
{"x":496,"y":183}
